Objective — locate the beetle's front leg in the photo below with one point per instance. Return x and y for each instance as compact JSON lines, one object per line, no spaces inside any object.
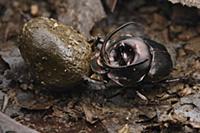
{"x":99,"y":85}
{"x":95,"y":84}
{"x":96,"y":42}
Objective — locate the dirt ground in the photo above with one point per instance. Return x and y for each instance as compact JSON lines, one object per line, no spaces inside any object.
{"x":163,"y":107}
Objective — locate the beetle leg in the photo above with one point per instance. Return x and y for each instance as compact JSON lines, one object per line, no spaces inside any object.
{"x":94,"y":84}
{"x":96,"y":42}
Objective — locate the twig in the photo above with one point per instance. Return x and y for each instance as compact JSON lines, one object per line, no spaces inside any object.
{"x":5,"y":103}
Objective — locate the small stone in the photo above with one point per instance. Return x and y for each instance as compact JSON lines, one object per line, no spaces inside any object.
{"x":34,"y":10}
{"x":24,"y":86}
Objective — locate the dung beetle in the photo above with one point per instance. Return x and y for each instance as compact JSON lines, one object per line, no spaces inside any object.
{"x":128,"y":59}
{"x":60,"y":58}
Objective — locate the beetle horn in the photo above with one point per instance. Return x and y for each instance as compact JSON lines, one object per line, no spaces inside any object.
{"x":103,"y":52}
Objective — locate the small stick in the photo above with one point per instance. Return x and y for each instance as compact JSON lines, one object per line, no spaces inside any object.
{"x":112,"y":4}
{"x":5,"y":103}
{"x":143,"y":97}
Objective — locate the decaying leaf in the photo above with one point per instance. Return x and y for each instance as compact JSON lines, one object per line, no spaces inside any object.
{"x":11,"y":55}
{"x":186,"y":111}
{"x":31,"y":101}
{"x":89,"y":114}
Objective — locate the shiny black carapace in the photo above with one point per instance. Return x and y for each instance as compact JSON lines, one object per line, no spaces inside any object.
{"x":128,"y":60}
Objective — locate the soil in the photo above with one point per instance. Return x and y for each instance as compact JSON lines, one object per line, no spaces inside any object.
{"x":160,"y":107}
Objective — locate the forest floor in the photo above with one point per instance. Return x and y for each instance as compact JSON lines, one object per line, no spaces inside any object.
{"x":164,"y":107}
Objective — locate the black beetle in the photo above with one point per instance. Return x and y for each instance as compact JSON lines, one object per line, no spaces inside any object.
{"x":130,"y":59}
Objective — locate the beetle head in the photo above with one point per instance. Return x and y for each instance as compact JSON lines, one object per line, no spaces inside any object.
{"x":125,"y":60}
